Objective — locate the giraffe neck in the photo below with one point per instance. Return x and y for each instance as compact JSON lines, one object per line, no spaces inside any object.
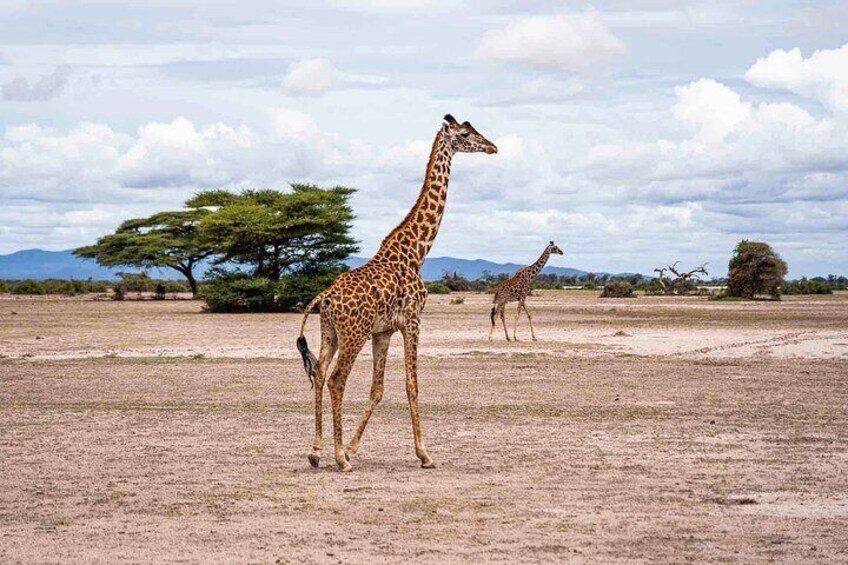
{"x":536,"y":267}
{"x":412,"y":239}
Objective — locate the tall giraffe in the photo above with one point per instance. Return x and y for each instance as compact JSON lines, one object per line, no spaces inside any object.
{"x":517,"y":288}
{"x":381,"y":297}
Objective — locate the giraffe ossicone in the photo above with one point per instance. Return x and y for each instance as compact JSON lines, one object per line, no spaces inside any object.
{"x":381,"y":297}
{"x":516,"y":289}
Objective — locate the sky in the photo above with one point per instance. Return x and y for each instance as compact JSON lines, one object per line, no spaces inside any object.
{"x":633,"y":133}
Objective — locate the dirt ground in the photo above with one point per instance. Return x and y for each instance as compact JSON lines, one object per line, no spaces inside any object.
{"x":634,"y":430}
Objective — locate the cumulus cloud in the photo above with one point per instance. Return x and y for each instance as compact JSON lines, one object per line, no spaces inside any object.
{"x":310,"y":76}
{"x":562,"y":42}
{"x":45,"y":88}
{"x":178,"y":154}
{"x":711,"y":108}
{"x":291,"y":123}
{"x":822,"y":76}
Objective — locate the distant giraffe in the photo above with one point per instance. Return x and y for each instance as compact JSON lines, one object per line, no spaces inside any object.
{"x":384,"y":295}
{"x":517,"y":288}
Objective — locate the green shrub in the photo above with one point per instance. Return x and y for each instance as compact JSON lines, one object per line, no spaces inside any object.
{"x":232,"y":294}
{"x":436,"y":287}
{"x":295,"y":291}
{"x":118,"y":292}
{"x":617,"y":289}
{"x":174,"y":287}
{"x":3,"y":287}
{"x":136,"y":282}
{"x":159,"y":291}
{"x":805,"y":286}
{"x":590,"y":286}
{"x":27,"y":286}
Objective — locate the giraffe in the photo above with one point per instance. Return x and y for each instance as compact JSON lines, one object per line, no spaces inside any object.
{"x":516,"y":288}
{"x":381,"y":297}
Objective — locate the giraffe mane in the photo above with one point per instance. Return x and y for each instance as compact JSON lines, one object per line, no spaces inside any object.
{"x":423,"y":192}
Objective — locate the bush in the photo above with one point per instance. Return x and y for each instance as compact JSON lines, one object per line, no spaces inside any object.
{"x":435,"y":287}
{"x":457,"y":300}
{"x":805,"y":286}
{"x":230,"y":294}
{"x":617,"y":289}
{"x":159,"y":292}
{"x":136,"y":282}
{"x":590,"y":286}
{"x":297,"y":290}
{"x":117,"y":293}
{"x":27,"y":286}
{"x":174,"y":287}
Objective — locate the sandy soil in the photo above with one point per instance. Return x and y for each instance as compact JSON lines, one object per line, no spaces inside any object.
{"x":654,"y":429}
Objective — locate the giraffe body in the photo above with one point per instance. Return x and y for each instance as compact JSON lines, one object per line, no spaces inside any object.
{"x":516,"y":289}
{"x":384,"y":296}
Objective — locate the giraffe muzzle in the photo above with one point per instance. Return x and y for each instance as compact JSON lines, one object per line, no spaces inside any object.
{"x":491,"y":149}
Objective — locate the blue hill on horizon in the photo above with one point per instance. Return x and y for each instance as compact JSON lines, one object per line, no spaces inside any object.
{"x":39,"y":264}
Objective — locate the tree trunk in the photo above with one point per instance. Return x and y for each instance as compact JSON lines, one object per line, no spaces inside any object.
{"x":188,"y":272}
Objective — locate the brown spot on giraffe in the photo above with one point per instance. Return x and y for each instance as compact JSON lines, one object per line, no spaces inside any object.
{"x":516,"y":289}
{"x":381,"y":297}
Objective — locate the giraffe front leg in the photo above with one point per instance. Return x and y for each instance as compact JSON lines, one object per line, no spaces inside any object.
{"x":410,"y":345}
{"x":380,"y":348}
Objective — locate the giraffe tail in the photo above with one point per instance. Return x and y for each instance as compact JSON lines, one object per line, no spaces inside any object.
{"x":309,"y":360}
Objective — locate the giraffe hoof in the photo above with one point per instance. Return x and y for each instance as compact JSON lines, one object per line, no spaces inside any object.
{"x":428,"y":464}
{"x":314,"y":459}
{"x":346,"y":468}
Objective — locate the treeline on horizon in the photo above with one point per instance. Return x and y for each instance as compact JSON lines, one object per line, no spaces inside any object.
{"x":143,"y":286}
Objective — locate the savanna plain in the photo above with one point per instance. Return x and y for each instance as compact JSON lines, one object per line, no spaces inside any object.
{"x":651,"y":429}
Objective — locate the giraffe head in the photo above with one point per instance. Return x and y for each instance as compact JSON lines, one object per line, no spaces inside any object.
{"x":463,"y":138}
{"x":554,"y":248}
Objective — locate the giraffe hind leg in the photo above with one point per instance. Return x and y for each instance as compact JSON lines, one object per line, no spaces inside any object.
{"x":503,"y":321}
{"x":336,"y":385}
{"x":529,"y":319}
{"x":329,"y":345}
{"x":492,"y":315}
{"x":380,"y":348}
{"x":515,"y":325}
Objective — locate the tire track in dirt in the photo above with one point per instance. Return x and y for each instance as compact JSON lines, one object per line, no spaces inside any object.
{"x":761,"y":346}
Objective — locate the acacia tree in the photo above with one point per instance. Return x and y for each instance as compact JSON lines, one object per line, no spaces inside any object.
{"x":166,"y":239}
{"x":755,"y":269}
{"x":281,"y":248}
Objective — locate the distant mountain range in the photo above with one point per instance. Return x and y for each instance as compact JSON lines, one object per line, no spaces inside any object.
{"x":39,"y":264}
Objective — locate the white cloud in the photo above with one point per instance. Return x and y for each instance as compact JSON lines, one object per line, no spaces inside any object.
{"x":309,"y":76}
{"x":177,"y":154}
{"x":710,"y":107}
{"x":291,"y":123}
{"x":823,"y":76}
{"x":563,"y":42}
